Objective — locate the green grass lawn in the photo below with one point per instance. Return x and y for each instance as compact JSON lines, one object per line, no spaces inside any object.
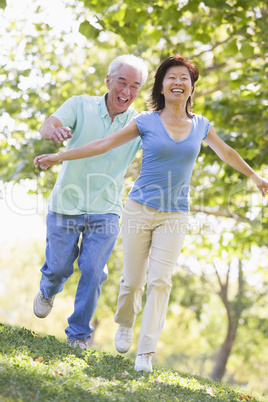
{"x":34,"y":368}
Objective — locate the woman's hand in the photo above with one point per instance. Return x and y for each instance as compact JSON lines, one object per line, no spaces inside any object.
{"x":47,"y":160}
{"x":262,"y":185}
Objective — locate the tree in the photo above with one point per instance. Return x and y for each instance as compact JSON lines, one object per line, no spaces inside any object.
{"x":224,"y":268}
{"x":227,"y":39}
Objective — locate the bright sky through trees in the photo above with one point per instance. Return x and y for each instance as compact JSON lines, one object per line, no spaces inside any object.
{"x":20,"y":214}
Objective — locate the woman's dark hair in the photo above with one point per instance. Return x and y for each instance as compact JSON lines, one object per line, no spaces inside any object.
{"x":157,"y":100}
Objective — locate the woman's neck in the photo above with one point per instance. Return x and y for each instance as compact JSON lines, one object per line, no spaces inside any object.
{"x":176,"y":111}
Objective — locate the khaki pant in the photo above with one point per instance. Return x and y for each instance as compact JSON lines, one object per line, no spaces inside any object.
{"x":146,"y":230}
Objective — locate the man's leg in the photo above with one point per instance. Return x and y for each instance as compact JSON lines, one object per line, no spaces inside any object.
{"x":97,"y":244}
{"x":63,"y":233}
{"x":62,"y":237}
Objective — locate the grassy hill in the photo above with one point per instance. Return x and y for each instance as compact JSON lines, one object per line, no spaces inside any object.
{"x":34,"y":368}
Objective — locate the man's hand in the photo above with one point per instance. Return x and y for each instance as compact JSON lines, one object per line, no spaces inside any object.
{"x":53,"y":130}
{"x":46,"y":160}
{"x":60,"y":134}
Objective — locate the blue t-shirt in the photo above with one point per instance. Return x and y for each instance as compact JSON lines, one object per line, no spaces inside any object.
{"x":167,"y":164}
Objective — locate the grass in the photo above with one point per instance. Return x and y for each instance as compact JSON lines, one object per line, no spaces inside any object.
{"x":34,"y":368}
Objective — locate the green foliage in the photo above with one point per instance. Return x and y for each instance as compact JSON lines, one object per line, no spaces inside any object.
{"x":228,"y":40}
{"x":45,"y":369}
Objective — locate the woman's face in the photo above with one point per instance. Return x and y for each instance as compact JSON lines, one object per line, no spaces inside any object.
{"x":177,"y":85}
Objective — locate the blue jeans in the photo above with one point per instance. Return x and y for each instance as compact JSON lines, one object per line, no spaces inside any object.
{"x":99,"y":233}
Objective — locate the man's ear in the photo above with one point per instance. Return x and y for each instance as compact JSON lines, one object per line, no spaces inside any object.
{"x":108,"y":81}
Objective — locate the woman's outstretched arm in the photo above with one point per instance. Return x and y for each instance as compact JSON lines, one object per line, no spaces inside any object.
{"x":93,"y":148}
{"x":230,"y":156}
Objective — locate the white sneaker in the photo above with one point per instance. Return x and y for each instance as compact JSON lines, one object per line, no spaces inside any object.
{"x":42,"y":306}
{"x":144,"y":362}
{"x":123,"y":338}
{"x":82,"y":343}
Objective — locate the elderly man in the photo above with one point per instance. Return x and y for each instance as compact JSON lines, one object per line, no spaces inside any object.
{"x":86,"y":200}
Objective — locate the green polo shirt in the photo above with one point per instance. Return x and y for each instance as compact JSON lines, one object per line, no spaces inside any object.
{"x":92,"y":185}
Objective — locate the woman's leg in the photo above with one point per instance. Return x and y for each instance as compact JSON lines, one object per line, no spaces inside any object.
{"x":136,"y":234}
{"x":167,"y":240}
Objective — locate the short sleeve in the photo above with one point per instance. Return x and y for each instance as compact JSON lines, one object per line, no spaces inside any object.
{"x":206,"y":128}
{"x":140,"y":121}
{"x":67,"y":113}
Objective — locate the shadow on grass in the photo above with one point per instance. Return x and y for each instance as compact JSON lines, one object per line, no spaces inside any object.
{"x":26,"y":384}
{"x":23,"y":384}
{"x":63,"y":373}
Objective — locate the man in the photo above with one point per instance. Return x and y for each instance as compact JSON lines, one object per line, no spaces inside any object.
{"x":86,"y":200}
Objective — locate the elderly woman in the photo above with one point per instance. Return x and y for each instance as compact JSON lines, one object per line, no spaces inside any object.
{"x":156,"y":212}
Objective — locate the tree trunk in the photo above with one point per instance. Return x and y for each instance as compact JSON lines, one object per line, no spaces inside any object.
{"x":225,"y":351}
{"x":226,"y":348}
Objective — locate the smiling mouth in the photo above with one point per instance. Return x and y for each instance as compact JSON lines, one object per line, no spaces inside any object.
{"x":177,"y":91}
{"x":122,"y":100}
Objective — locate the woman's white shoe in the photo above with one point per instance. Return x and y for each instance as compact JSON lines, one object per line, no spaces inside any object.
{"x":144,"y":362}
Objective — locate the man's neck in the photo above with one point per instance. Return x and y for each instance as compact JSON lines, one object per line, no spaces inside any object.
{"x":112,"y":113}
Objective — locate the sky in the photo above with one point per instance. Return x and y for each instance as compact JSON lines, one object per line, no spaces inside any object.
{"x":56,"y":13}
{"x":22,"y":216}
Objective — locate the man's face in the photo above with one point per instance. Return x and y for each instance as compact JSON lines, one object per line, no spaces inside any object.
{"x":123,"y":89}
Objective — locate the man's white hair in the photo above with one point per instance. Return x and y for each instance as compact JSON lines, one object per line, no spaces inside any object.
{"x":130,"y":60}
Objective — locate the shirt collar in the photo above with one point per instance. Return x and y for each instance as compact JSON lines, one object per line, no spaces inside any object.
{"x":104,"y":111}
{"x":103,"y":107}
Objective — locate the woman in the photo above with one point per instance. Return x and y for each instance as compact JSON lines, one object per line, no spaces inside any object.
{"x":156,"y":212}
